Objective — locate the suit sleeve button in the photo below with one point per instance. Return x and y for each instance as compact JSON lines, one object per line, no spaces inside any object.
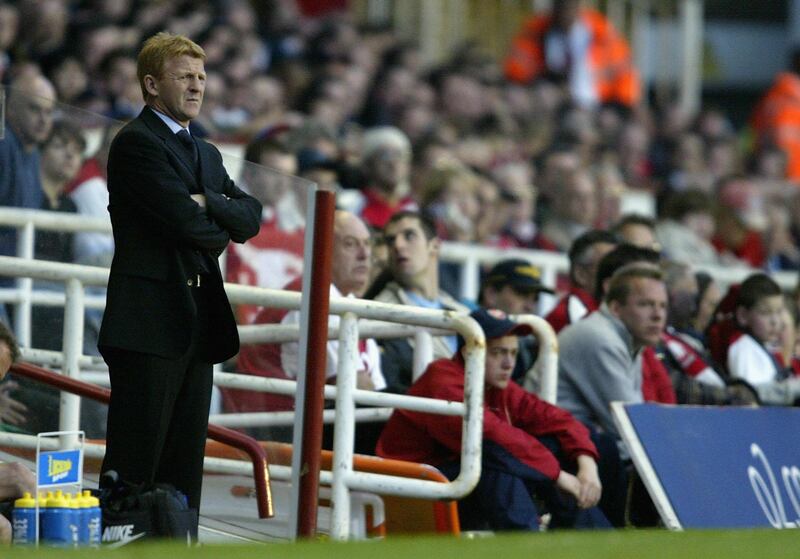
{"x":190,"y":282}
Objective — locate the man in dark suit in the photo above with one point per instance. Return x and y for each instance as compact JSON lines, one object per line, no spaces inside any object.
{"x":173,"y":210}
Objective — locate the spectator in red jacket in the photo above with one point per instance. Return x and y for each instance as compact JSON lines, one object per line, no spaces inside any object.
{"x":531,"y":449}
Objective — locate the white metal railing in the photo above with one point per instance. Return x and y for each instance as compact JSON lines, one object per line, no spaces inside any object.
{"x":469,"y":257}
{"x":551,"y":264}
{"x":27,"y":222}
{"x":344,"y":478}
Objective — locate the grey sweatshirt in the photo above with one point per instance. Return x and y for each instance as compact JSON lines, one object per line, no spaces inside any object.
{"x":597,"y":365}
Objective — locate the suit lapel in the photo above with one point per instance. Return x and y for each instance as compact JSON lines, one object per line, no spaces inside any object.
{"x":202,"y":161}
{"x":172,"y":142}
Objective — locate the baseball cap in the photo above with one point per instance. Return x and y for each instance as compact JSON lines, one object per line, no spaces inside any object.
{"x":496,"y":324}
{"x":518,"y":273}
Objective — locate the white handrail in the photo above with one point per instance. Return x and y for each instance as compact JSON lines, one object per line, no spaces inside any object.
{"x":542,"y":377}
{"x":53,"y":221}
{"x":552,"y":264}
{"x":470,"y":257}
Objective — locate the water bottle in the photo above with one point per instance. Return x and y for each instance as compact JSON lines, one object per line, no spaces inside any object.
{"x":74,"y":506}
{"x":56,"y":518}
{"x":23,"y":520}
{"x":83,"y":519}
{"x":92,"y":519}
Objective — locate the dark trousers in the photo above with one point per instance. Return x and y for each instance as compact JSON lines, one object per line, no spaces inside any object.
{"x":614,"y":475}
{"x":158,"y":415}
{"x":511,"y":495}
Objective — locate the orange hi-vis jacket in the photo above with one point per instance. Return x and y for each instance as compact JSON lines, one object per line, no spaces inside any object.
{"x":776,"y":120}
{"x":615,"y":78}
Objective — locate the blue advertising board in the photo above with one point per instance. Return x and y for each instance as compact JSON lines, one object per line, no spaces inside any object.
{"x":717,"y":467}
{"x":59,"y":467}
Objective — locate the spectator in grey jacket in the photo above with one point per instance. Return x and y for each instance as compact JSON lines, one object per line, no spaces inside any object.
{"x":600,"y":356}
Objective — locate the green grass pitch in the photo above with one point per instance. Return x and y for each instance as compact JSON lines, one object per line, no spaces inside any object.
{"x":757,"y":544}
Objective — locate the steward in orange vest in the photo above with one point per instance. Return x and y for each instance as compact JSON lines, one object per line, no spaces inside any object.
{"x":776,"y":119}
{"x":579,"y":47}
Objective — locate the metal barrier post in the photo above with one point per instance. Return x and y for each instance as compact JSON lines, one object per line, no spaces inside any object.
{"x":22,"y":311}
{"x":542,"y":378}
{"x":344,"y":426}
{"x":70,"y":413}
{"x":314,"y":373}
{"x":423,"y":353}
{"x":470,"y":272}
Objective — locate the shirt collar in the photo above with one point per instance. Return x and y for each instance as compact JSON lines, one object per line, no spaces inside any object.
{"x":169,"y":121}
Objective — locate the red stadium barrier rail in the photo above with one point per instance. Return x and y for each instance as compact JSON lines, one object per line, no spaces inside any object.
{"x":220,"y":434}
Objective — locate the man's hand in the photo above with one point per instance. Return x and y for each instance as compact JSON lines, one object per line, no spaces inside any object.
{"x":591,"y":488}
{"x":364,"y":380}
{"x":569,"y":484}
{"x":200,"y":199}
{"x":15,"y":479}
{"x":11,"y":411}
{"x":6,"y":531}
{"x":741,"y":394}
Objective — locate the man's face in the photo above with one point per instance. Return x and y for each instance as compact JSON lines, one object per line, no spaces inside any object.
{"x":352,"y":256}
{"x":580,"y":200}
{"x":411,"y":254}
{"x":501,"y":356}
{"x":644,"y":312}
{"x":30,"y":112}
{"x":585,"y":271}
{"x":513,"y":300}
{"x":267,"y":185}
{"x":178,"y":93}
{"x":389,"y":167}
{"x":683,"y":300}
{"x":9,"y":26}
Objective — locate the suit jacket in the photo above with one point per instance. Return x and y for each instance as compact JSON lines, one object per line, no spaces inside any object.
{"x":160,"y":235}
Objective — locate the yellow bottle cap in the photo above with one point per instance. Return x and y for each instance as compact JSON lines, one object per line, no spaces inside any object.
{"x":58,"y":500}
{"x":25,"y":502}
{"x":72,"y":502}
{"x":89,"y":499}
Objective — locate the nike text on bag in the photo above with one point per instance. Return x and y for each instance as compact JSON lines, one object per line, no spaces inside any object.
{"x":146,"y":511}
